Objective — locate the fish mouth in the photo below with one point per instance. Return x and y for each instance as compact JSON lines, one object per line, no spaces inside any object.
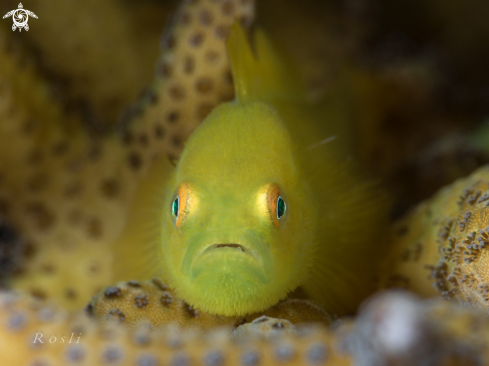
{"x":232,"y":246}
{"x":228,"y":254}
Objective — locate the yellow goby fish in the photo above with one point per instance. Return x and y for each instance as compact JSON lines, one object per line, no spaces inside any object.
{"x":259,"y":203}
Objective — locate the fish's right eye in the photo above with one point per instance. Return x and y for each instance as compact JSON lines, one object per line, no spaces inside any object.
{"x":183,"y":202}
{"x":175,"y":207}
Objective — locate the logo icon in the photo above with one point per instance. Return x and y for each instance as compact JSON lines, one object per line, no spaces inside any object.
{"x":20,"y":17}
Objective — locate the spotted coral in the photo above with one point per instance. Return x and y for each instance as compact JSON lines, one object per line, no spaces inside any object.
{"x":72,"y":200}
{"x":153,"y":303}
{"x":392,"y":329}
{"x":441,"y":247}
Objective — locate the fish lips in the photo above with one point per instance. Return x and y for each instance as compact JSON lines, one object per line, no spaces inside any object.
{"x":228,"y":253}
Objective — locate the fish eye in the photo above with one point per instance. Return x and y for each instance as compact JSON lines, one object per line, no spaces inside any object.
{"x":175,"y":207}
{"x":281,"y":207}
{"x":273,"y":202}
{"x":182,"y":203}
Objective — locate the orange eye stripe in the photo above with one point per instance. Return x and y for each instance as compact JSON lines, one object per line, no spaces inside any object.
{"x":272,"y":196}
{"x":184,"y":197}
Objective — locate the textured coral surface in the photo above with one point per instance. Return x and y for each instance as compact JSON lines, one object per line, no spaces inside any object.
{"x":441,"y":247}
{"x":154,"y":303}
{"x":69,"y":167}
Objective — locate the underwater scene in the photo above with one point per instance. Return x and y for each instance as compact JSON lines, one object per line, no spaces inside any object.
{"x":244,"y":182}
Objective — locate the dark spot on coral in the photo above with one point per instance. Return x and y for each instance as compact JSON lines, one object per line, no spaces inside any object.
{"x":169,"y":41}
{"x":159,"y":131}
{"x":94,"y":228}
{"x":93,"y":268}
{"x":278,"y":325}
{"x":70,"y":294}
{"x":17,"y":321}
{"x":128,"y":138}
{"x":147,"y":360}
{"x":35,"y":157}
{"x":189,"y":65}
{"x":316,"y":355}
{"x":47,"y":268}
{"x":177,"y":92}
{"x":112,"y":313}
{"x":112,"y":292}
{"x":172,"y":117}
{"x":75,"y":353}
{"x":185,"y":18}
{"x":191,"y":312}
{"x":40,"y":215}
{"x":417,"y":251}
{"x":228,"y":8}
{"x":250,"y":358}
{"x":284,"y":353}
{"x":72,"y":190}
{"x":141,"y":300}
{"x":89,"y":309}
{"x":203,"y":85}
{"x":196,"y":39}
{"x":214,"y":358}
{"x":166,"y":299}
{"x":397,"y":281}
{"x":133,"y":283}
{"x":166,"y":69}
{"x":95,"y":152}
{"x":176,"y":141}
{"x":205,"y":17}
{"x":246,"y":21}
{"x":60,"y":148}
{"x":159,"y":284}
{"x":37,"y":183}
{"x":38,"y":293}
{"x":135,"y":161}
{"x":112,"y":354}
{"x":222,"y":32}
{"x":143,"y":140}
{"x":110,"y":187}
{"x":29,"y":127}
{"x":182,"y":359}
{"x":212,"y":57}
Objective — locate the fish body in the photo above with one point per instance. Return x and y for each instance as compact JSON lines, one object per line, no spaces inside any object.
{"x":259,"y":202}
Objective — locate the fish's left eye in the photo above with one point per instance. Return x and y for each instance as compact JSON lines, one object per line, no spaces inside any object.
{"x":273,"y":201}
{"x":281,"y":207}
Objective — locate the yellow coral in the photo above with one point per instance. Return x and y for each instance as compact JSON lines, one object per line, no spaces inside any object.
{"x":153,"y":303}
{"x":22,"y":319}
{"x":441,"y":247}
{"x":392,"y":329}
{"x":72,"y":195}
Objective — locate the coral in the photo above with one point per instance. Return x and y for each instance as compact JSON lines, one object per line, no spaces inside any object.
{"x":153,"y":303}
{"x":118,"y":52}
{"x":264,"y":327}
{"x":193,"y":76}
{"x":109,"y":343}
{"x":71,"y":197}
{"x":392,"y":329}
{"x":441,"y":247}
{"x":398,"y":329}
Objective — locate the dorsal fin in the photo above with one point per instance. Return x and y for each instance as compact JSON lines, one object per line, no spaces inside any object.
{"x":260,"y":73}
